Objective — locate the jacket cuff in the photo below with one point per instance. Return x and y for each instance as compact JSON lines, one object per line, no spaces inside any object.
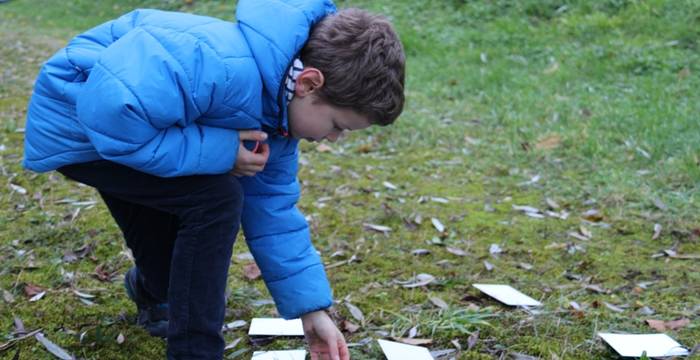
{"x":301,"y":293}
{"x":219,"y":150}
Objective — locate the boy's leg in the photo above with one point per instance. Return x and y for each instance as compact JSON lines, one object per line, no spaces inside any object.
{"x":150,"y":234}
{"x":207,"y":209}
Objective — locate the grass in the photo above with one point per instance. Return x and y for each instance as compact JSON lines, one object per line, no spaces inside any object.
{"x":595,"y":99}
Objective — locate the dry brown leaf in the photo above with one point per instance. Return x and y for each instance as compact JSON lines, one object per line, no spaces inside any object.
{"x":661,"y":326}
{"x":549,"y":142}
{"x":32,"y":290}
{"x":251,"y":271}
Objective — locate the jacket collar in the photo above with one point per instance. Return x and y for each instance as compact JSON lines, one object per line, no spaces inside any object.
{"x":276,"y":31}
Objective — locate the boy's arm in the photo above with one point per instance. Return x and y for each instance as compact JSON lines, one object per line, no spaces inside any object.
{"x":278,"y":235}
{"x":140,"y":104}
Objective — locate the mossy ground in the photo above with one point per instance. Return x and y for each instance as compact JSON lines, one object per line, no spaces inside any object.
{"x":610,"y":84}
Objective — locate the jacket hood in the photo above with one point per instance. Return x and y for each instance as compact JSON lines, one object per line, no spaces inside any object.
{"x":276,"y":31}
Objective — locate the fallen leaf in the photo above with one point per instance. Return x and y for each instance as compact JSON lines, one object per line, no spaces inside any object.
{"x":551,"y":69}
{"x":83,"y":295}
{"x":18,"y":189}
{"x":53,"y":348}
{"x":456,"y":251}
{"x":251,"y":271}
{"x":390,"y":186}
{"x":438,"y":302}
{"x":418,"y":281}
{"x":549,"y":142}
{"x":552,"y":204}
{"x":350,"y":327}
{"x":420,"y":252}
{"x":236,"y":324}
{"x":585,"y":232}
{"x":31,"y":290}
{"x":246,"y":256}
{"x":233,"y":344}
{"x":597,"y":289}
{"x":322,"y":148}
{"x":414,"y":341}
{"x":526,"y":209}
{"x":379,"y":228}
{"x":525,"y":266}
{"x":438,"y":225}
{"x":472,"y":340}
{"x":355,"y":312}
{"x":659,"y":204}
{"x":439,"y":200}
{"x":38,"y":296}
{"x":592,"y":215}
{"x":657,"y":231}
{"x":613,"y":307}
{"x":19,"y":326}
{"x":661,"y":326}
{"x":7,"y":296}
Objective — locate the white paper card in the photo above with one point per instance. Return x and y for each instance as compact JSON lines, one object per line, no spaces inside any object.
{"x":507,"y":295}
{"x":398,"y":351}
{"x":633,"y":345}
{"x":280,"y":355}
{"x":276,"y":327}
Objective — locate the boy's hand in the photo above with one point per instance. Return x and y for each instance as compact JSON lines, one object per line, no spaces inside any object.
{"x":326,"y":342}
{"x":249,"y":163}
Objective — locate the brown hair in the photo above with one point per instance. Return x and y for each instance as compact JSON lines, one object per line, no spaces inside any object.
{"x":362,"y":61}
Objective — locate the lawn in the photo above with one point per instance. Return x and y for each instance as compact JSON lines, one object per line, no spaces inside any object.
{"x":586,"y":110}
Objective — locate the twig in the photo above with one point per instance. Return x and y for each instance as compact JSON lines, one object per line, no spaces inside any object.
{"x":12,"y":342}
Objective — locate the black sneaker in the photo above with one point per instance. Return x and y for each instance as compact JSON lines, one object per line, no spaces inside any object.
{"x":152,"y":316}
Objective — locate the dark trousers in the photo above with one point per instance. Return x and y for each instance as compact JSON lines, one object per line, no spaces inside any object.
{"x":181,"y":231}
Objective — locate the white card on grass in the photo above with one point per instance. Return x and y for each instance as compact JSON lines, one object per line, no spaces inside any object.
{"x":633,"y":345}
{"x":398,"y":351}
{"x":507,"y":295}
{"x":280,"y":355}
{"x":276,"y":327}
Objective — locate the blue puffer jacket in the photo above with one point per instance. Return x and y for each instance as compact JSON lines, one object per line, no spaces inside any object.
{"x":165,"y":93}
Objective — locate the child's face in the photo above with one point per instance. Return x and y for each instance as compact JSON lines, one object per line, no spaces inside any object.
{"x":314,"y":120}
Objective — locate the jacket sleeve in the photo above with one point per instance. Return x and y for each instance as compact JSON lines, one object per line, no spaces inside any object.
{"x":141,"y":100}
{"x":278,"y":235}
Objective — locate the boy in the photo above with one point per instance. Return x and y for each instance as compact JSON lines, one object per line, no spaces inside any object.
{"x":159,"y":111}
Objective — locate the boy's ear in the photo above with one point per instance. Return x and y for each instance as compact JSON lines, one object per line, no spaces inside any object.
{"x":309,"y":80}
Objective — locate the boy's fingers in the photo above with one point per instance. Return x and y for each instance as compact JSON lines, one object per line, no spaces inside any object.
{"x":255,"y":135}
{"x":264,"y":150}
{"x":343,"y":349}
{"x":333,"y":348}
